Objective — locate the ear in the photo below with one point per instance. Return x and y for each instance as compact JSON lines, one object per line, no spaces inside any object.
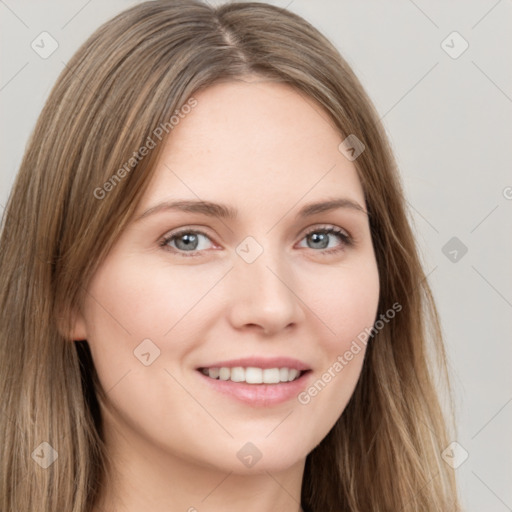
{"x":72,"y":327}
{"x":78,"y":327}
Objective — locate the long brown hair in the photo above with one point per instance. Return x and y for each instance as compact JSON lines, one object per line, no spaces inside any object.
{"x":127,"y":80}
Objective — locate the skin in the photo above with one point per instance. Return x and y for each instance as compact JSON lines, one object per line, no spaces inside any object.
{"x":266,"y":150}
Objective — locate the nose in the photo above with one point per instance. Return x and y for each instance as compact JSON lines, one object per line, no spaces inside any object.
{"x":264,"y":295}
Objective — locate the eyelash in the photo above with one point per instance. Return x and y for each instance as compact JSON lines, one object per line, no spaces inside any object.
{"x":346,"y":239}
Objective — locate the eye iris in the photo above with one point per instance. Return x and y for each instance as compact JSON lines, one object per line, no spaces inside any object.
{"x":319,"y":238}
{"x":190,"y":241}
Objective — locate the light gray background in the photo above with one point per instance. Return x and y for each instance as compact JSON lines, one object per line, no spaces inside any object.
{"x":450,"y":124}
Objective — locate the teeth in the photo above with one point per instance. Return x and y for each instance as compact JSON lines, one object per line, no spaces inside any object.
{"x":214,"y":373}
{"x":271,"y":375}
{"x":293,"y":374}
{"x":253,"y":375}
{"x":237,"y":374}
{"x":224,"y":373}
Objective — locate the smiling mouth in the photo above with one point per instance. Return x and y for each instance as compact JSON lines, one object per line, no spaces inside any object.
{"x":254,"y":375}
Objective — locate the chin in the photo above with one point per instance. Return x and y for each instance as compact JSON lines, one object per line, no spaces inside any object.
{"x":273,"y":454}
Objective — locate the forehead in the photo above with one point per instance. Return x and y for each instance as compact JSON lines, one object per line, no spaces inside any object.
{"x":253,"y":112}
{"x":256,"y":141}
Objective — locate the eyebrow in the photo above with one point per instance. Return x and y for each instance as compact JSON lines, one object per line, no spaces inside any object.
{"x":227,"y":212}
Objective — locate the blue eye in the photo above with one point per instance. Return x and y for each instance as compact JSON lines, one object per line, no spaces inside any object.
{"x":192,"y":241}
{"x":320,"y":238}
{"x":184,"y":241}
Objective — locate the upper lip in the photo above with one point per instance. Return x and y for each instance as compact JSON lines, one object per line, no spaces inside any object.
{"x":260,"y":362}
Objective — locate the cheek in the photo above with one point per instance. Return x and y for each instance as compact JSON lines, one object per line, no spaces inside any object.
{"x":130,"y":302}
{"x":346,"y":301}
{"x":357,"y":305}
{"x":144,"y":300}
{"x":347,"y":306}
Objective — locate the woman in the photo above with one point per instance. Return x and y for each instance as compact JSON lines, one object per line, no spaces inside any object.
{"x":211,"y":296}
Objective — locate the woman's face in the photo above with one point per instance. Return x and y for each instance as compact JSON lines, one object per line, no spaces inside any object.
{"x":243,"y":272}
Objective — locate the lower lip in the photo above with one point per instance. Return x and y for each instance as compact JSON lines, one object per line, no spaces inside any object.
{"x":262,"y":395}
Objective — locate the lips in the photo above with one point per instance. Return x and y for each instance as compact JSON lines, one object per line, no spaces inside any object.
{"x":256,"y":370}
{"x":260,"y":362}
{"x":257,"y":381}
